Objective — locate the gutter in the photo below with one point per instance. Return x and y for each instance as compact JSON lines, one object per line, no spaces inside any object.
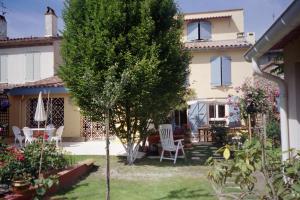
{"x":285,"y":138}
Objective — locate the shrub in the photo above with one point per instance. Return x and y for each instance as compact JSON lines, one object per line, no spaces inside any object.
{"x":25,"y":163}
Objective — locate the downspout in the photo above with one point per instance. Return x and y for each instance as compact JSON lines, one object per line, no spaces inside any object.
{"x":285,"y":138}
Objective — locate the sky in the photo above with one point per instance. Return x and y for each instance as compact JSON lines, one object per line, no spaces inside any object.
{"x":25,"y":18}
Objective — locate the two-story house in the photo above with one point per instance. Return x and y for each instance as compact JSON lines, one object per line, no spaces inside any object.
{"x":27,"y":66}
{"x":217,"y":43}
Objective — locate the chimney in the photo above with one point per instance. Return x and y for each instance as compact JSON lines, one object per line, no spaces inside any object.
{"x":3,"y":28}
{"x":50,"y":23}
{"x":251,"y":37}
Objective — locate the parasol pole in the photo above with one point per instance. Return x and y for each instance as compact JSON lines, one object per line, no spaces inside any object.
{"x":43,"y":139}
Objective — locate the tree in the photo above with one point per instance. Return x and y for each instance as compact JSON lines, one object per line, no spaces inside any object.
{"x":124,"y":57}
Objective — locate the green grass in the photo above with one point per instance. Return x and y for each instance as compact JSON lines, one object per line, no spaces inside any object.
{"x":148,"y":179}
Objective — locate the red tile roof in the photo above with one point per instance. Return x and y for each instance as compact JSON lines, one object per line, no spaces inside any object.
{"x":237,"y":43}
{"x":53,"y":81}
{"x":28,"y":41}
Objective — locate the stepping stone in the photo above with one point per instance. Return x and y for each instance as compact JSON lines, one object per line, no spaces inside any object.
{"x":199,"y":154}
{"x":195,"y":158}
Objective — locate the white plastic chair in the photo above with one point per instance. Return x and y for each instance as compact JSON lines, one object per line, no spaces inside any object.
{"x":18,"y":136}
{"x":28,"y":135}
{"x":50,"y":129}
{"x":168,"y":143}
{"x":59,"y":133}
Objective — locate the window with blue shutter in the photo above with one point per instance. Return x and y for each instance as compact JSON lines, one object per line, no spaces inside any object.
{"x":192,"y":31}
{"x":215,"y":73}
{"x":32,"y":66}
{"x":199,"y":31}
{"x":226,"y":70}
{"x":3,"y":69}
{"x":205,"y":30}
{"x":221,"y":71}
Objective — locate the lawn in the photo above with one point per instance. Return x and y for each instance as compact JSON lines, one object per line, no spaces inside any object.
{"x":147,"y":179}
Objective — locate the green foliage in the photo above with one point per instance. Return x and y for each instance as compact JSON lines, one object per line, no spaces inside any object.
{"x":282,"y":178}
{"x":125,"y":56}
{"x":20,"y":164}
{"x":273,"y":131}
{"x":220,"y":133}
{"x":43,"y":185}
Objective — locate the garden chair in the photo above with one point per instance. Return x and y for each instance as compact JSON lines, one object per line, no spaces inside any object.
{"x":28,"y":135}
{"x":18,"y":136}
{"x":59,"y":133}
{"x":168,"y":143}
{"x":50,"y":129}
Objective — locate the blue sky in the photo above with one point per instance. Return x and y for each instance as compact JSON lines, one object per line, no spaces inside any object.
{"x":26,"y":17}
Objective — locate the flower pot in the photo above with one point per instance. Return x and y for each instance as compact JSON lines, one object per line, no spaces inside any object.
{"x":20,"y":186}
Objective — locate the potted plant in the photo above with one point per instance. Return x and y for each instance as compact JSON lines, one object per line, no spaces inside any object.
{"x":20,"y":183}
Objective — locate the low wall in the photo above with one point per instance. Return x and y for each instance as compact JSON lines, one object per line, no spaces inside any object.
{"x":67,"y":178}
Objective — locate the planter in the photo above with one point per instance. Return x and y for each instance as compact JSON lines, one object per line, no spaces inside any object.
{"x":19,"y":186}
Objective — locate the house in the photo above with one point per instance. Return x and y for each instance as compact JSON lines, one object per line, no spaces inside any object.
{"x":29,"y":65}
{"x":283,"y":36}
{"x":217,"y":43}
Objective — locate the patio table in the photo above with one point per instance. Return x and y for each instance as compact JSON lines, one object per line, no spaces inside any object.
{"x":47,"y":130}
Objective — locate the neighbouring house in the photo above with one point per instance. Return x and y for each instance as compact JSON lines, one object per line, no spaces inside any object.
{"x":283,"y":37}
{"x":217,"y":43}
{"x":29,"y":65}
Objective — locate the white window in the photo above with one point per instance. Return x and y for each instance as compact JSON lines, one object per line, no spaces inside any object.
{"x":33,"y":67}
{"x":3,"y":69}
{"x":217,"y":112}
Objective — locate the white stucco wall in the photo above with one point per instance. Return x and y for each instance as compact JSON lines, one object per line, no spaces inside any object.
{"x":292,"y":78}
{"x":16,"y":62}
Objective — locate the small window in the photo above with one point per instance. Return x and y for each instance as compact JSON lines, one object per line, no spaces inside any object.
{"x":212,"y":112}
{"x":199,"y":30}
{"x":221,"y":111}
{"x":216,"y":111}
{"x":221,"y":71}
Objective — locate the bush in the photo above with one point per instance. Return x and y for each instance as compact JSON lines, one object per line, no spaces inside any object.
{"x":273,"y":131}
{"x":25,"y":163}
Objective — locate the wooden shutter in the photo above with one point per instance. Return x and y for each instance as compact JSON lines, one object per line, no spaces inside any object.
{"x":205,"y":30}
{"x":29,"y":67}
{"x":3,"y":69}
{"x":216,"y":71}
{"x":197,"y":116}
{"x":36,"y":66}
{"x":192,"y":31}
{"x":226,"y":70}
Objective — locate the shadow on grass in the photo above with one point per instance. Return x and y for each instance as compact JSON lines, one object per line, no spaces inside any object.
{"x":186,"y":193}
{"x":64,"y":190}
{"x":195,"y":156}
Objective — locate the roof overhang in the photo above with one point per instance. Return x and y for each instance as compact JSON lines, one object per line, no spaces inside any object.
{"x":36,"y":91}
{"x":279,"y":34}
{"x":195,"y":18}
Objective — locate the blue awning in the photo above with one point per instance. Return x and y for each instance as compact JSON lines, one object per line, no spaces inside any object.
{"x":36,"y":90}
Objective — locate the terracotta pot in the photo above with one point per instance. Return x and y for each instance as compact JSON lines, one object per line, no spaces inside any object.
{"x":20,"y":186}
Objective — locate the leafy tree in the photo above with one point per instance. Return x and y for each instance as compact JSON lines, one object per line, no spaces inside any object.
{"x":125,"y":57}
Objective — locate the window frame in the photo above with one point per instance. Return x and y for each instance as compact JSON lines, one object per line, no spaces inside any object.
{"x":199,"y":30}
{"x":216,"y":109}
{"x":221,"y":67}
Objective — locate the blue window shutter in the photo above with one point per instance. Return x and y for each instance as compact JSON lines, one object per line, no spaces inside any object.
{"x":226,"y":70}
{"x":215,"y":71}
{"x":192,"y":31}
{"x":205,"y":30}
{"x":197,"y":116}
{"x":29,"y":67}
{"x":3,"y":70}
{"x":36,"y":66}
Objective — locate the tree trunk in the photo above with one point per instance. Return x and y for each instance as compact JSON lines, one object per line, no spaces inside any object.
{"x":130,"y":151}
{"x":107,"y":158}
